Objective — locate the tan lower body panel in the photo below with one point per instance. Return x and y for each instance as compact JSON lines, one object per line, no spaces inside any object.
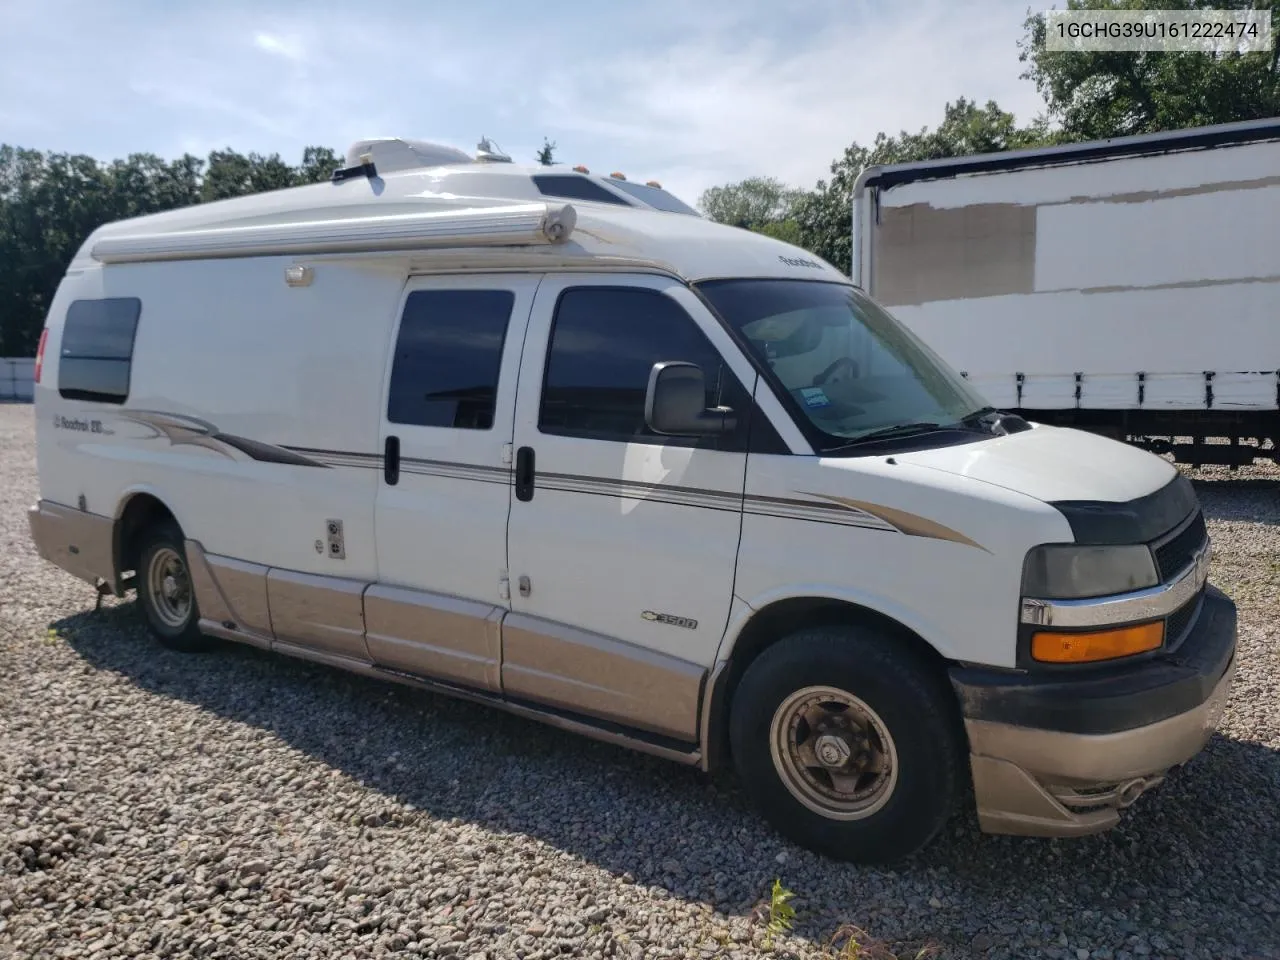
{"x":323,"y":613}
{"x":434,"y":635}
{"x":79,"y":542}
{"x":587,"y":673}
{"x":231,"y":596}
{"x":462,"y":647}
{"x":1046,"y":783}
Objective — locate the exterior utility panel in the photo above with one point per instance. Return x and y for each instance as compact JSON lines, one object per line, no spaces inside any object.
{"x":1130,"y":286}
{"x":550,"y":442}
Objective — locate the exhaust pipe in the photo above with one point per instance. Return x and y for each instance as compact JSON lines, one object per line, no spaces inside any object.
{"x":1127,"y":793}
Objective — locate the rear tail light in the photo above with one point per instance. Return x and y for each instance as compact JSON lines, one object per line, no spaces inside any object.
{"x":44,"y":335}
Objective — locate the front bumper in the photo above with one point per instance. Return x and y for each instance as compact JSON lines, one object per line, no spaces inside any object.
{"x":1055,"y":756}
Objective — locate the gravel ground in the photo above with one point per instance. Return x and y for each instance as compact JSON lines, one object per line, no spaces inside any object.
{"x":240,"y":804}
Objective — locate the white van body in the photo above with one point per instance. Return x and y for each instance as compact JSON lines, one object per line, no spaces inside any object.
{"x":247,"y":372}
{"x":1128,"y":286}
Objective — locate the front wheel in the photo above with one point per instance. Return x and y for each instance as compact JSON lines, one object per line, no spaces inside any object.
{"x":848,"y":743}
{"x":165,"y":592}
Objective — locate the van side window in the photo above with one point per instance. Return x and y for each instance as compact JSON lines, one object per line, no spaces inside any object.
{"x":95,"y":359}
{"x":448,"y":353}
{"x":604,"y":342}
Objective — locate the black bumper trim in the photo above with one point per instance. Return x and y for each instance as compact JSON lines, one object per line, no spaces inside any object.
{"x":1109,"y":700}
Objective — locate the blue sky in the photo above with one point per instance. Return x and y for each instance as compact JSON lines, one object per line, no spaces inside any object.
{"x":692,"y":93}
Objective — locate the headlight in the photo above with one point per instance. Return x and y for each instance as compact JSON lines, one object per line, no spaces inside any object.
{"x":1069,"y":572}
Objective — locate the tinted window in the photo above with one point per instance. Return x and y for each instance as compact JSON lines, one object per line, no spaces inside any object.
{"x":604,"y":342}
{"x":574,"y":187}
{"x":96,"y":354}
{"x":445,"y":372}
{"x":655,"y":197}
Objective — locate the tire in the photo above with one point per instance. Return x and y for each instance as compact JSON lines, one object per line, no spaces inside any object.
{"x":899,"y":767}
{"x":165,"y":594}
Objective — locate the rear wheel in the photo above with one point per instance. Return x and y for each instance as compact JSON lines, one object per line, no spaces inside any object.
{"x":165,"y":592}
{"x":848,"y":743}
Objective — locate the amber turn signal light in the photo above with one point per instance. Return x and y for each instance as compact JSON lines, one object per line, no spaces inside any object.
{"x":1049,"y":647}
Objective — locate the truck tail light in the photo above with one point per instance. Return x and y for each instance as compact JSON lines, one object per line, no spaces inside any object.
{"x":44,"y":335}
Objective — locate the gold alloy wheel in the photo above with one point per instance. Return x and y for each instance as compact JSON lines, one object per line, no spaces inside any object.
{"x":169,"y":587}
{"x":833,"y":753}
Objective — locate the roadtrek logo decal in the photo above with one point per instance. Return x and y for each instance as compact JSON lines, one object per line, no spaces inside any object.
{"x":800,"y":262}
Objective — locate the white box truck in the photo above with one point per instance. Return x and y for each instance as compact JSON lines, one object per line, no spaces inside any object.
{"x":549,"y":441}
{"x":1129,"y":287}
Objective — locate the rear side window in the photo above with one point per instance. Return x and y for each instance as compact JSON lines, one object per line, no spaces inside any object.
{"x":604,"y":343}
{"x":574,"y":187}
{"x":448,"y":354}
{"x":95,"y":359}
{"x":655,"y":197}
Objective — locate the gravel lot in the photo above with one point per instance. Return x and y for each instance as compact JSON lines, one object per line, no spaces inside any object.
{"x":239,"y":804}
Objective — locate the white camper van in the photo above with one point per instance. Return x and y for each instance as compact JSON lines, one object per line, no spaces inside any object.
{"x":550,"y":441}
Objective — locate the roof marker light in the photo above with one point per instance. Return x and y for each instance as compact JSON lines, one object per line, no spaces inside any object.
{"x":581,"y":169}
{"x":617,"y":176}
{"x":653,"y":183}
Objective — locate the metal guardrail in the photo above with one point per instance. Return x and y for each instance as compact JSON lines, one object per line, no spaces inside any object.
{"x":17,"y":378}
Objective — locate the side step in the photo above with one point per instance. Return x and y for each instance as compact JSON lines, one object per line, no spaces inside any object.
{"x":603,"y":730}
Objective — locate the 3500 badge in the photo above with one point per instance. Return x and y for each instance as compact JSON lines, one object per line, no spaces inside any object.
{"x":670,"y":619}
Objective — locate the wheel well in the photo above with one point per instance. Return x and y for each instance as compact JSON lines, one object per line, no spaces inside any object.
{"x":141,"y":513}
{"x":775,"y":622}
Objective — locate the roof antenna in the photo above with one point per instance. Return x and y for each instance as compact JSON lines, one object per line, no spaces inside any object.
{"x":488,"y":151}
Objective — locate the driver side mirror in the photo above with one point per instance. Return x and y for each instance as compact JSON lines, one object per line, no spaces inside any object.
{"x":675,"y":402}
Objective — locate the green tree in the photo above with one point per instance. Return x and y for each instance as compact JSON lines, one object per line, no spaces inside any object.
{"x":546,"y":154}
{"x":1096,"y":95}
{"x":234,"y":174}
{"x":318,"y":164}
{"x":824,"y":215}
{"x":752,"y":203}
{"x":50,"y":203}
{"x":788,"y":231}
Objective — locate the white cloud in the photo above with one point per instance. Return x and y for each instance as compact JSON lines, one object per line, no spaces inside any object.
{"x":709,"y":109}
{"x":288,"y":47}
{"x":689,"y":94}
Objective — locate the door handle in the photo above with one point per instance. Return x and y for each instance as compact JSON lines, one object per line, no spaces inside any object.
{"x":391,"y":461}
{"x":524,"y":473}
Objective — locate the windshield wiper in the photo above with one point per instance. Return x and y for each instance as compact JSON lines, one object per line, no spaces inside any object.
{"x":897,"y":430}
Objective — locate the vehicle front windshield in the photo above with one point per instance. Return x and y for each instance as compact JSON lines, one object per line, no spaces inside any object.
{"x":853,"y":369}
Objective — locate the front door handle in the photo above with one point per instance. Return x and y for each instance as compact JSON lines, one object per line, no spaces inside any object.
{"x":391,"y":461}
{"x":524,"y":474}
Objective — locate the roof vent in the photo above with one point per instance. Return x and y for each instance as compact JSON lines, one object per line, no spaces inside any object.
{"x":389,"y":154}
